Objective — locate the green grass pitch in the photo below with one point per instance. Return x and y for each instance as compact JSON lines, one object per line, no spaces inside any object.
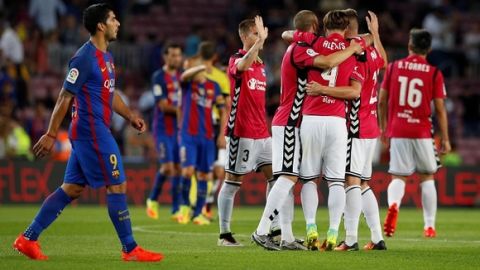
{"x":83,"y":238}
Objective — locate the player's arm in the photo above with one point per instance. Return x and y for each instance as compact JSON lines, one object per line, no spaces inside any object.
{"x":442,"y":120}
{"x":288,"y":35}
{"x":252,"y":54}
{"x":189,"y":73}
{"x":343,"y":92}
{"x":372,"y":23}
{"x":46,"y":142}
{"x":165,"y":107}
{"x":220,"y":103}
{"x":122,"y":109}
{"x":335,"y":59}
{"x":382,"y":113}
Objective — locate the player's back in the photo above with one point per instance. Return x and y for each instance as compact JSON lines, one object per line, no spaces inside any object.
{"x":197,"y":102}
{"x":91,"y":78}
{"x":165,"y":86}
{"x":412,"y":84}
{"x":337,"y":76}
{"x":366,"y":106}
{"x":295,"y":69}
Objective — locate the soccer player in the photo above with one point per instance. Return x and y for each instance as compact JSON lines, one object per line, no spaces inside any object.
{"x":297,"y":68}
{"x":249,"y":145}
{"x":95,"y":159}
{"x":197,"y":145}
{"x":323,"y":129}
{"x":166,"y":90}
{"x":206,"y":51}
{"x":408,"y":89}
{"x":363,"y":132}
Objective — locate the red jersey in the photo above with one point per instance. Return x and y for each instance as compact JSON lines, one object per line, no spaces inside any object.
{"x":411,"y":84}
{"x":248,"y":116}
{"x":296,"y":63}
{"x":336,"y":76}
{"x":363,"y":121}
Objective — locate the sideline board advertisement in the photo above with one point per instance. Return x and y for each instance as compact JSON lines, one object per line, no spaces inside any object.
{"x":32,"y":182}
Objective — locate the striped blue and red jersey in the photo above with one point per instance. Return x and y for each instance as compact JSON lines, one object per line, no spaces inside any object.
{"x":91,"y":78}
{"x":197,"y":101}
{"x":166,"y":86}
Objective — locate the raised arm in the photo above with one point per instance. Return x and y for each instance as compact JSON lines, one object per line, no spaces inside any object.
{"x":287,"y":36}
{"x":372,"y":23}
{"x":189,"y":73}
{"x":45,"y":143}
{"x":443,"y":124}
{"x":122,"y":109}
{"x":382,"y":113}
{"x":247,"y":60}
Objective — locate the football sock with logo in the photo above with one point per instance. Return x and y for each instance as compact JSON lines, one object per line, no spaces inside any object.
{"x":395,"y":191}
{"x":309,"y":197}
{"x":225,"y":199}
{"x":371,"y":213}
{"x":336,"y":204}
{"x":429,"y":202}
{"x":201,"y":196}
{"x":157,"y":186}
{"x":51,"y":208}
{"x":276,"y":199}
{"x":353,"y":208}
{"x":118,"y":212}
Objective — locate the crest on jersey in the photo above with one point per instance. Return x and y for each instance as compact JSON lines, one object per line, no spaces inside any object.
{"x":312,"y":53}
{"x":72,"y":75}
{"x":157,"y":90}
{"x":109,"y":67}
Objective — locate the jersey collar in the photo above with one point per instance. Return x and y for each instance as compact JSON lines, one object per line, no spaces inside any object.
{"x":336,"y":35}
{"x":416,"y":58}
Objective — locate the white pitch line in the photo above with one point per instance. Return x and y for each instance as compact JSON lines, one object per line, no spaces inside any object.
{"x":145,"y":229}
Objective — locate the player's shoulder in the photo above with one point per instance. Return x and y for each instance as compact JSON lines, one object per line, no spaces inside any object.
{"x":158,"y":75}
{"x":86,"y":51}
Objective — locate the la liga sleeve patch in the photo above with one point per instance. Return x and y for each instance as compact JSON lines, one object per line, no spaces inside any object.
{"x":72,"y":75}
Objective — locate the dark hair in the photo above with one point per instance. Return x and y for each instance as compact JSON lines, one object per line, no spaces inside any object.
{"x":336,"y":20}
{"x":420,"y":41}
{"x":169,"y":46}
{"x":94,"y":14}
{"x":304,"y":19}
{"x":206,"y":50}
{"x":245,"y":25}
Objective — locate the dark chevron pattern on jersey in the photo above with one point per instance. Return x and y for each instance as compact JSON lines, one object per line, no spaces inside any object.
{"x":233,"y":111}
{"x":295,"y":114}
{"x":354,"y":128}
{"x":233,"y":152}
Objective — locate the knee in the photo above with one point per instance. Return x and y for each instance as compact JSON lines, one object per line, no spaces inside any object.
{"x":364,"y":185}
{"x":73,"y":191}
{"x":118,"y":189}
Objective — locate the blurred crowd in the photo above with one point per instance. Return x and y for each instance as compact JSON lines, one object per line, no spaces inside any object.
{"x":38,"y":37}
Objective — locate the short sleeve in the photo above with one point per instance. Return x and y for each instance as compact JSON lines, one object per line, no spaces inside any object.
{"x":304,"y":56}
{"x":159,"y":87}
{"x":386,"y":77}
{"x":304,"y":37}
{"x":232,"y":66}
{"x":358,"y":73}
{"x":78,"y":71}
{"x":439,"y":90}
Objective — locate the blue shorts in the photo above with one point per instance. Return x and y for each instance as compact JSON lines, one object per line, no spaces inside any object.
{"x":95,"y":164}
{"x":198,"y":152}
{"x":168,"y":149}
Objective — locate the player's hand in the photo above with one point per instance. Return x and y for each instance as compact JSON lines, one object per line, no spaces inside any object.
{"x":262,"y":30}
{"x":357,"y":46}
{"x":221,"y":143}
{"x":446,"y":147}
{"x":314,"y":89}
{"x":139,"y":124}
{"x":44,"y":146}
{"x":372,"y":22}
{"x":385,"y":140}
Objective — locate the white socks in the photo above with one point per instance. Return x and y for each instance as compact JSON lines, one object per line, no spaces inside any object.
{"x":396,"y":190}
{"x":336,"y":203}
{"x":225,"y":204}
{"x":371,"y":213}
{"x":270,"y":184}
{"x":286,"y":218}
{"x":275,"y":200}
{"x":353,"y":208}
{"x":429,"y":202}
{"x":309,"y":196}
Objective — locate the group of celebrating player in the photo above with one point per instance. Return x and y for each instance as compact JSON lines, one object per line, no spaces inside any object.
{"x":326,"y":125}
